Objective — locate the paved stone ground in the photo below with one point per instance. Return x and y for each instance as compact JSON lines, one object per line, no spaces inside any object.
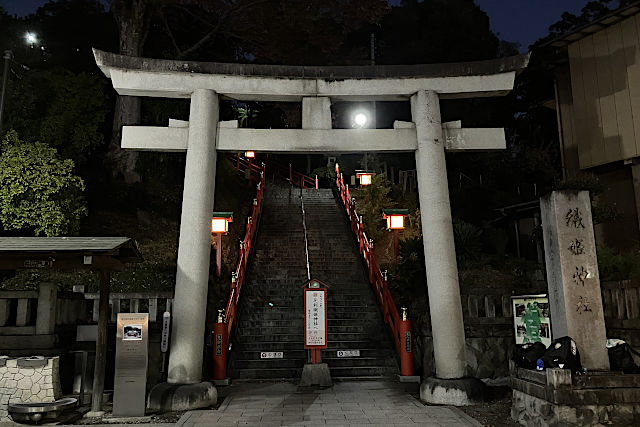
{"x":344,"y":404}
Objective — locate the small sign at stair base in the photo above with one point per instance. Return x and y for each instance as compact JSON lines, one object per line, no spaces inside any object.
{"x":271,"y":355}
{"x":348,"y":353}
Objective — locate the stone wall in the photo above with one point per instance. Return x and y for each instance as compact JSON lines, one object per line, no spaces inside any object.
{"x":487,"y":358}
{"x":28,"y":380}
{"x":531,"y":411}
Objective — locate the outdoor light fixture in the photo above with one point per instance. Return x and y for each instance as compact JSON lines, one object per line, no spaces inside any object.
{"x":395,"y":223}
{"x":250,"y":154}
{"x":360,"y":119}
{"x":219,"y":226}
{"x":31,"y":38}
{"x":395,"y":218}
{"x":365,"y":177}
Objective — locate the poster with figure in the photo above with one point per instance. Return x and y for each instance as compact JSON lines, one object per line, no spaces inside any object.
{"x":531,"y":319}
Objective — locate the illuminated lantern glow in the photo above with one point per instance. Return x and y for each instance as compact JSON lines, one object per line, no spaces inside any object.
{"x":250,"y":154}
{"x":365,"y":177}
{"x":395,"y":218}
{"x":395,"y":222}
{"x":220,"y":222}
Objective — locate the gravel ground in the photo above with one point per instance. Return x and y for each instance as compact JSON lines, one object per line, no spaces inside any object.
{"x":496,"y":412}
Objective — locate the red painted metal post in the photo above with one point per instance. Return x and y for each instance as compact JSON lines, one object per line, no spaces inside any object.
{"x":218,"y":254}
{"x":221,"y":341}
{"x":396,"y":245}
{"x":406,"y":353}
{"x":316,"y":182}
{"x":316,"y":356}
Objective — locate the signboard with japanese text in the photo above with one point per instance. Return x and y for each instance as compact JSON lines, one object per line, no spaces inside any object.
{"x":315,"y":319}
{"x":531,"y":319}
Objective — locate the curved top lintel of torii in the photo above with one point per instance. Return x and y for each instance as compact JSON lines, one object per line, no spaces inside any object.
{"x":136,"y":76}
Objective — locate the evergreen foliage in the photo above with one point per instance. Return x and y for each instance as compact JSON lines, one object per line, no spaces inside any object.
{"x":39,"y":192}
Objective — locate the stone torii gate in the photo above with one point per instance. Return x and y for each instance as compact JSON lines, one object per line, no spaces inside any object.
{"x":316,"y":87}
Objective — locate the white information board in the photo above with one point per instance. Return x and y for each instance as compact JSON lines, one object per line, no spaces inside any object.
{"x":315,"y":318}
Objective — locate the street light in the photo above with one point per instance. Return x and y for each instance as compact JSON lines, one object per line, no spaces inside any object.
{"x":31,"y":38}
{"x":395,"y":222}
{"x":8,"y":55}
{"x":219,"y":226}
{"x":360,"y":119}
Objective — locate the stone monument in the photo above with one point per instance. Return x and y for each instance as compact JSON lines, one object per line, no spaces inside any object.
{"x":572,"y":275}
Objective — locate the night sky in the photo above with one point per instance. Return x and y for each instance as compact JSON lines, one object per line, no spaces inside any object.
{"x":521,"y":21}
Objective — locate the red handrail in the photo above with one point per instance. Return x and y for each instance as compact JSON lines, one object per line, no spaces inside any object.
{"x":400,"y":328}
{"x":222,"y":329}
{"x":294,"y":177}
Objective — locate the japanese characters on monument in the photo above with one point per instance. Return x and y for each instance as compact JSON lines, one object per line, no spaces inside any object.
{"x":315,"y":318}
{"x":572,"y":274}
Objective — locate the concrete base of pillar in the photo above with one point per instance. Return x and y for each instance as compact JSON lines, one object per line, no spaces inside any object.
{"x":316,"y":375}
{"x":167,"y":397}
{"x":456,"y":392}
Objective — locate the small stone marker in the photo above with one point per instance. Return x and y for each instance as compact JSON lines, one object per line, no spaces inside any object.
{"x":572,"y":275}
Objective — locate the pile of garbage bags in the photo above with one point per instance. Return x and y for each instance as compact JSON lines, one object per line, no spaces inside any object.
{"x":563,"y":353}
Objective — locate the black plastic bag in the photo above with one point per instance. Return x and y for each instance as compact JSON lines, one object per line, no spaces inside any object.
{"x":526,"y":355}
{"x":563,"y":353}
{"x":620,"y":359}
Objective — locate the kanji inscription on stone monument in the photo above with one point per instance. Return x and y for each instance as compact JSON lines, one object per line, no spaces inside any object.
{"x":572,"y":274}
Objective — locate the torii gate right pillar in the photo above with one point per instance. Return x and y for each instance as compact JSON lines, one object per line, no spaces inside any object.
{"x":447,"y":327}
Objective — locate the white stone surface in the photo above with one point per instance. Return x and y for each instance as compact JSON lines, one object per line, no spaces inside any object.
{"x":316,"y":113}
{"x":253,"y":88}
{"x":27,"y":385}
{"x":572,"y":275}
{"x":194,"y":249}
{"x":437,"y":231}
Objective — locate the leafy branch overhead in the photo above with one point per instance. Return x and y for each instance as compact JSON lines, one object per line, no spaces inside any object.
{"x":39,"y":192}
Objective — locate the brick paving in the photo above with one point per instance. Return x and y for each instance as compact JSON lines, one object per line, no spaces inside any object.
{"x":344,"y":404}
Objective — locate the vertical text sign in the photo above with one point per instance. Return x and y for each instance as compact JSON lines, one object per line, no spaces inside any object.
{"x":572,"y":275}
{"x":315,"y":319}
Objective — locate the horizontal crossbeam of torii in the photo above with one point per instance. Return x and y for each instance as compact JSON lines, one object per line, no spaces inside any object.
{"x":202,"y":136}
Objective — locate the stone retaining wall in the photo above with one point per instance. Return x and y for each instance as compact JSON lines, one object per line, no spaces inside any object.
{"x":28,"y":380}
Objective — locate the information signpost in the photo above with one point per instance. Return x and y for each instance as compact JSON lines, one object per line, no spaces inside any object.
{"x":132,"y":343}
{"x":315,"y":318}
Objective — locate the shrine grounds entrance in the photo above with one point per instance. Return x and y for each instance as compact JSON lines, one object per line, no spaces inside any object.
{"x":315,"y":87}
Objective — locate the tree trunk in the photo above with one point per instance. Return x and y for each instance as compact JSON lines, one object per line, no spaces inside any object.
{"x":133,"y":18}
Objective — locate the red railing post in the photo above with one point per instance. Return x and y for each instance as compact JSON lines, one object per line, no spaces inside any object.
{"x":406,"y":350}
{"x":221,"y":342}
{"x":316,"y":182}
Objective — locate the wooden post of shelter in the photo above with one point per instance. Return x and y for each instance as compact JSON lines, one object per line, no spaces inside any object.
{"x":101,"y":343}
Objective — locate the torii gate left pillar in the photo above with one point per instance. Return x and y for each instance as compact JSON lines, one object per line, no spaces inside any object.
{"x":184,"y":388}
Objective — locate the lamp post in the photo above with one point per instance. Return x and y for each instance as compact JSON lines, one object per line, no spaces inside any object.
{"x":395,"y":223}
{"x":8,"y":56}
{"x":219,"y":226}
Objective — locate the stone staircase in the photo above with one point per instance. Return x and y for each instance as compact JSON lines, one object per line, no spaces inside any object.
{"x":271,"y":316}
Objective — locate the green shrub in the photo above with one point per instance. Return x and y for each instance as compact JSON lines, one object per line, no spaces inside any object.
{"x":615,"y":265}
{"x":39,"y":193}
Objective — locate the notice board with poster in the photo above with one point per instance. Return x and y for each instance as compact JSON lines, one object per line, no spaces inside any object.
{"x":531,"y":319}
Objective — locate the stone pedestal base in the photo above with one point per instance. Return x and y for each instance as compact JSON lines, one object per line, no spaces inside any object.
{"x":456,"y":392}
{"x":316,"y":375}
{"x":555,"y":397}
{"x":182,"y":397}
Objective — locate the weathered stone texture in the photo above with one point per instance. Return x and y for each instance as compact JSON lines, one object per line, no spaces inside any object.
{"x":28,"y":384}
{"x":531,"y":411}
